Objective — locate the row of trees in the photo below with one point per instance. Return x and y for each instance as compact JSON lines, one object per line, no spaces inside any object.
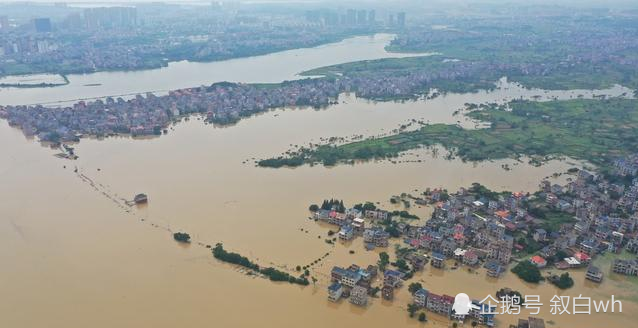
{"x":273,"y":274}
{"x":336,"y":204}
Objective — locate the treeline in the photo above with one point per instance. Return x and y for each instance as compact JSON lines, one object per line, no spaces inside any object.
{"x":367,"y":206}
{"x":273,"y":274}
{"x":221,"y":254}
{"x":280,"y":162}
{"x":335,"y":204}
{"x":405,"y":215}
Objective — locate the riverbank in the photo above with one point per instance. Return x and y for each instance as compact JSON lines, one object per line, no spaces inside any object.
{"x":34,"y":81}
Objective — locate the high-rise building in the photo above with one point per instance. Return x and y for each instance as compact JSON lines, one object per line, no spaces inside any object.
{"x":371,"y":16}
{"x":362,"y":17}
{"x":110,"y":17}
{"x":391,"y":20}
{"x":4,"y":23}
{"x":42,"y":24}
{"x":73,"y":21}
{"x":401,"y":19}
{"x":351,"y":17}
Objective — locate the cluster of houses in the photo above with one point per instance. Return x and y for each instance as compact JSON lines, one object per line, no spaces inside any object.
{"x":479,"y":228}
{"x":149,"y":115}
{"x":476,"y":227}
{"x":353,"y":282}
{"x":481,"y":313}
{"x":352,"y":224}
{"x":221,"y":103}
{"x":530,"y":322}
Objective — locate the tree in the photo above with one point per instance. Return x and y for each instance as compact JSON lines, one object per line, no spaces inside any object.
{"x":564,"y":281}
{"x":528,"y":272}
{"x":414,"y":287}
{"x":314,"y":207}
{"x":474,"y":323}
{"x":182,"y":237}
{"x":412,"y":308}
{"x":384,"y":260}
{"x":422,"y":317}
{"x":402,"y":265}
{"x":511,"y":293}
{"x":455,"y":325}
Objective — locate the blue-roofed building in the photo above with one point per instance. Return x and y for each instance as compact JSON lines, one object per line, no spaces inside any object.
{"x":483,"y":313}
{"x":346,"y":232}
{"x":334,"y":291}
{"x":494,"y":269}
{"x":392,"y":278}
{"x":438,"y":260}
{"x":588,"y":247}
{"x":346,"y":277}
{"x":421,"y":297}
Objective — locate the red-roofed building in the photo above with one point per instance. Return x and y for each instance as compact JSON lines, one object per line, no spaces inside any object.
{"x":538,"y":261}
{"x":441,"y":304}
{"x":504,"y":214}
{"x":582,"y":257}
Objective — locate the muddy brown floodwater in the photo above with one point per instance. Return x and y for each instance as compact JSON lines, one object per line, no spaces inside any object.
{"x":74,"y":256}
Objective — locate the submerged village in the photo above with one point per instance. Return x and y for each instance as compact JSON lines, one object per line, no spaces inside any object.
{"x":560,"y":226}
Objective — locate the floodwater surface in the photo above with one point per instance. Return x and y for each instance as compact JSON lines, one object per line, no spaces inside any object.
{"x":74,"y":255}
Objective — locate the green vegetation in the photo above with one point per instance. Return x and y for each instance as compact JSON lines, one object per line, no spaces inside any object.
{"x":593,"y":130}
{"x":402,"y":265}
{"x":368,"y":206}
{"x":542,"y":52}
{"x":405,"y":215}
{"x":335,"y":204}
{"x":414,"y":287}
{"x":483,"y":192}
{"x":412,"y":308}
{"x":182,"y":237}
{"x":384,"y":260}
{"x":563,"y":281}
{"x":221,"y":254}
{"x":273,"y":274}
{"x":528,"y":272}
{"x":552,"y":218}
{"x":531,"y":245}
{"x":392,"y":228}
{"x":422,"y":317}
{"x":511,"y":293}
